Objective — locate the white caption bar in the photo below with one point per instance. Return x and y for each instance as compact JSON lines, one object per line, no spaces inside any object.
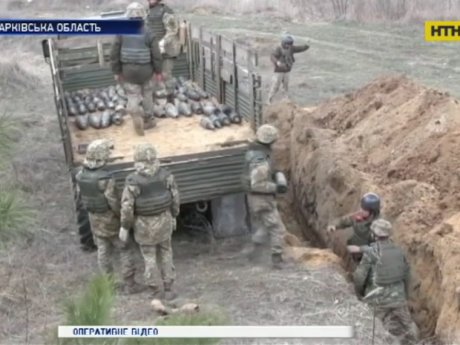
{"x":205,"y":332}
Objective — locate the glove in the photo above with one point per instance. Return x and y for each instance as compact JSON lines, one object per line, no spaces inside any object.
{"x":281,"y":189}
{"x":123,"y":234}
{"x":331,"y":228}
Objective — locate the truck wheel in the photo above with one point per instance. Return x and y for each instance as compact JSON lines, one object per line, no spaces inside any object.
{"x":196,"y":224}
{"x":84,"y":228}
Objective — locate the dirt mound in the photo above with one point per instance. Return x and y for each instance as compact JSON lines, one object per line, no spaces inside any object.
{"x":398,"y":139}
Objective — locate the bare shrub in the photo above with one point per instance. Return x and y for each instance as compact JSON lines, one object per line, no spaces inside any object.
{"x":340,"y":8}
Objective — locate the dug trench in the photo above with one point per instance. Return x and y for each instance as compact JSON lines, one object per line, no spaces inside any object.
{"x":400,"y":140}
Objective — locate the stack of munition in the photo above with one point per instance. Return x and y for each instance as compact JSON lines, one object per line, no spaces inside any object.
{"x":189,"y":99}
{"x":97,"y":108}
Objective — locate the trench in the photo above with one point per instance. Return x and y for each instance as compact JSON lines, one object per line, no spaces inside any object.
{"x":322,"y":188}
{"x":307,"y":219}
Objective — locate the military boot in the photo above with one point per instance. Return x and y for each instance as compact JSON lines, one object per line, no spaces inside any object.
{"x":170,"y":294}
{"x":138,"y":124}
{"x":155,"y":292}
{"x":256,"y":252}
{"x":149,"y":122}
{"x":277,"y":261}
{"x":132,"y":287}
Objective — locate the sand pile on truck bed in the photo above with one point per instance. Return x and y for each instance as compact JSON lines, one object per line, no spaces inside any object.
{"x":401,"y":140}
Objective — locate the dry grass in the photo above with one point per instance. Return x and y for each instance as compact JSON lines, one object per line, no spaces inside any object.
{"x":356,"y":10}
{"x":298,"y":10}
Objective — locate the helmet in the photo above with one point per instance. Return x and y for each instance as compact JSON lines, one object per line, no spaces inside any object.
{"x":381,"y":227}
{"x":145,"y":153}
{"x":97,"y":153}
{"x":370,"y":202}
{"x":136,"y":10}
{"x":267,"y":134}
{"x":287,"y":39}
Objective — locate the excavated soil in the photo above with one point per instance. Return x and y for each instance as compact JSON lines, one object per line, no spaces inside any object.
{"x":398,"y":139}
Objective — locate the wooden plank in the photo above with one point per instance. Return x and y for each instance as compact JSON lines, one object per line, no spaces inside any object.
{"x":218,"y":68}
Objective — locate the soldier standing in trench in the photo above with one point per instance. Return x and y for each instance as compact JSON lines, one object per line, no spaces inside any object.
{"x":263,"y":183}
{"x":283,"y":60}
{"x":136,"y":60}
{"x":150,"y":204}
{"x":162,"y":21}
{"x":100,"y":199}
{"x":383,"y":278}
{"x":360,"y":222}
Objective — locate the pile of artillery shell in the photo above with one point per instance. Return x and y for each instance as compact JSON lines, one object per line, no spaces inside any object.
{"x":97,"y":108}
{"x":105,"y":107}
{"x":190,"y":100}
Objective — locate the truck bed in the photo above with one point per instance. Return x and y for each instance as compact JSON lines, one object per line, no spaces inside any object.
{"x":170,"y":137}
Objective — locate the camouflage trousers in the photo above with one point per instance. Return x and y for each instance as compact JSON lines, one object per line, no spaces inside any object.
{"x":168,"y":85}
{"x":398,"y":322}
{"x":279,"y":79}
{"x":158,"y":258}
{"x":106,"y":250}
{"x":137,"y":95}
{"x":266,"y":222}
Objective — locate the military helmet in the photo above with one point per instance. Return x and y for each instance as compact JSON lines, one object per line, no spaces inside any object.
{"x":136,"y":10}
{"x":381,"y":227}
{"x":267,"y":134}
{"x":145,"y":153}
{"x":370,"y":202}
{"x":287,"y":39}
{"x":98,"y":150}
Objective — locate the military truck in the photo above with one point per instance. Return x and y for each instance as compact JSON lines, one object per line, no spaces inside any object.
{"x":207,"y":164}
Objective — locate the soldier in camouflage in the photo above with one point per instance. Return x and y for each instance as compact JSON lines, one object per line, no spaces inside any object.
{"x":283,"y":60}
{"x":360,"y":222}
{"x":150,"y":203}
{"x":163,"y":23}
{"x":99,"y":197}
{"x":383,"y":278}
{"x":137,"y":64}
{"x":263,"y":184}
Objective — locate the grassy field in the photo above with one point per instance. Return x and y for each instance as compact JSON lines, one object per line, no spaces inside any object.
{"x":345,"y":56}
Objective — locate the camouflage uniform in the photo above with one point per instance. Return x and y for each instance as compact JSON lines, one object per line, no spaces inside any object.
{"x":162,"y":21}
{"x":150,"y":203}
{"x":137,"y":59}
{"x":99,"y":197}
{"x":361,"y":223}
{"x":262,"y":189}
{"x":283,"y":60}
{"x":361,"y":229}
{"x":383,"y":277}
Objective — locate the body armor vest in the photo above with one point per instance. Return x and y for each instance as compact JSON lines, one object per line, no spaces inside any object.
{"x":391,"y":268}
{"x":256,"y":153}
{"x":155,"y":20}
{"x":92,"y":198}
{"x":154,"y":198}
{"x":135,"y":49}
